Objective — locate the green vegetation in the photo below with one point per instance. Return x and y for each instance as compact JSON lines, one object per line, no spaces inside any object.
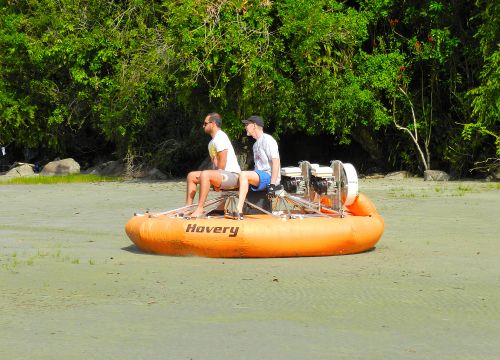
{"x":445,"y":189}
{"x":14,"y":261}
{"x":413,"y":83}
{"x":59,"y":179}
{"x":461,"y":190}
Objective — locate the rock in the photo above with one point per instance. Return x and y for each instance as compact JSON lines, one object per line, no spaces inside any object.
{"x":109,"y":168}
{"x":21,"y":170}
{"x":493,"y":176}
{"x":435,"y":175}
{"x":374,"y":176}
{"x":397,"y":175}
{"x":147,"y":173}
{"x":118,"y":168}
{"x":155,"y":174}
{"x":60,"y":167}
{"x":206,"y":164}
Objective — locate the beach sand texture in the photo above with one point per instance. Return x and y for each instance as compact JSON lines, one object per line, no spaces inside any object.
{"x":73,"y":286}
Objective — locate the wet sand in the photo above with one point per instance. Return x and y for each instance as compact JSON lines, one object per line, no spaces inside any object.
{"x":74,"y":287}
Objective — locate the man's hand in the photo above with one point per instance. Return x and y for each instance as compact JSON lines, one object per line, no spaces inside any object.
{"x":275,"y":190}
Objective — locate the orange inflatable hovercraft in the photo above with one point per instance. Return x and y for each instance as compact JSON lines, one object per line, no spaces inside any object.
{"x":318,"y":213}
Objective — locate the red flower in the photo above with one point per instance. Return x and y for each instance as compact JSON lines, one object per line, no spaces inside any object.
{"x":393,"y":22}
{"x":430,"y":39}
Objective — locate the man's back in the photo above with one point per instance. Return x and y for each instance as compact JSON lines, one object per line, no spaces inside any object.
{"x":264,"y":150}
{"x":221,"y":142}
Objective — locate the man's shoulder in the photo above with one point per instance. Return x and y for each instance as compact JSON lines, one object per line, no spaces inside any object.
{"x":269,"y":138}
{"x":222,"y":141}
{"x":221,"y":135}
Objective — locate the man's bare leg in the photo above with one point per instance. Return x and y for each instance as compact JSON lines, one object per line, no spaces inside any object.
{"x":207,"y":178}
{"x":246,"y":178}
{"x":192,"y":180}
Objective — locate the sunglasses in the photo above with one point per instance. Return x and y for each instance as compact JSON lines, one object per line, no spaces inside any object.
{"x":205,"y":124}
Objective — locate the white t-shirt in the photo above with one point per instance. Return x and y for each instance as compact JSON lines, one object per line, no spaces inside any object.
{"x":264,"y":150}
{"x":219,"y":143}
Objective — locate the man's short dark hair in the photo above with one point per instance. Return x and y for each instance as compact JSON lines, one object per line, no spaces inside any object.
{"x":215,"y":118}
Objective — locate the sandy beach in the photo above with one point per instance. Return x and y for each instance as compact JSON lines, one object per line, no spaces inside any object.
{"x":74,"y":287}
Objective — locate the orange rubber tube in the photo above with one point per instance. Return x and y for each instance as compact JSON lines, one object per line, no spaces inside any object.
{"x":259,"y":235}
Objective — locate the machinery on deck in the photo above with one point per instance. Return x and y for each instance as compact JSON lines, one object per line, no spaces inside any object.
{"x":322,"y":187}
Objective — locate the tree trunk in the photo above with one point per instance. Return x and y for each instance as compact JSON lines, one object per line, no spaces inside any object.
{"x":367,"y":142}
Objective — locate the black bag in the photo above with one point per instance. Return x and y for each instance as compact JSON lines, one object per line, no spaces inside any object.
{"x":258,"y":198}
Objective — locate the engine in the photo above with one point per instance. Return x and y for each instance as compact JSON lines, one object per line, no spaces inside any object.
{"x":322,"y":180}
{"x":326,"y":186}
{"x":293,"y":181}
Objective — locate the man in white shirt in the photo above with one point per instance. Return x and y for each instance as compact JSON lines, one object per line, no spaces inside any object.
{"x":267,"y":162}
{"x":226,"y":169}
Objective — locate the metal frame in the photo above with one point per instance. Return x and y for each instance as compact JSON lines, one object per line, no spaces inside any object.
{"x":289,"y":202}
{"x":307,"y":207}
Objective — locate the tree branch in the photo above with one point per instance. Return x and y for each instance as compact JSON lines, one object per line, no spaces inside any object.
{"x":414,"y":136}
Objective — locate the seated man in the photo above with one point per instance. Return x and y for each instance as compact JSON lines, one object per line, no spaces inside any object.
{"x":224,"y":163}
{"x":267,"y":162}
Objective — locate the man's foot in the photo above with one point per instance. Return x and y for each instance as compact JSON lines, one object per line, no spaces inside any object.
{"x":234,"y":215}
{"x":196,"y":214}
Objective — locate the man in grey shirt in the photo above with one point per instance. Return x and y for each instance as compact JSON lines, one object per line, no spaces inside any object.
{"x":267,"y":162}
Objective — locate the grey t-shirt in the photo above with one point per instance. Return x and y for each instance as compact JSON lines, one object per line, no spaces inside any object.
{"x":264,"y":150}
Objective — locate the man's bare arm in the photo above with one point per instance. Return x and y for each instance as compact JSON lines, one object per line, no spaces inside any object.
{"x":275,"y":168}
{"x":221,"y":159}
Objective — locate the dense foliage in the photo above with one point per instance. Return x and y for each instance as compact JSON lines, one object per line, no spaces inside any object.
{"x":414,"y":83}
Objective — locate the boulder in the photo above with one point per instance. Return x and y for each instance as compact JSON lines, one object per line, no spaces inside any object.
{"x":494,"y":176}
{"x":61,"y":167}
{"x":118,"y":168}
{"x":155,"y":174}
{"x":21,"y":170}
{"x":147,"y":173}
{"x":206,"y":164}
{"x":435,"y":175}
{"x":109,"y":168}
{"x":397,"y":175}
{"x":374,"y":176}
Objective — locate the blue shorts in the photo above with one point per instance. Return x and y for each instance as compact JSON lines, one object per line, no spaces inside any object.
{"x":264,"y":180}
